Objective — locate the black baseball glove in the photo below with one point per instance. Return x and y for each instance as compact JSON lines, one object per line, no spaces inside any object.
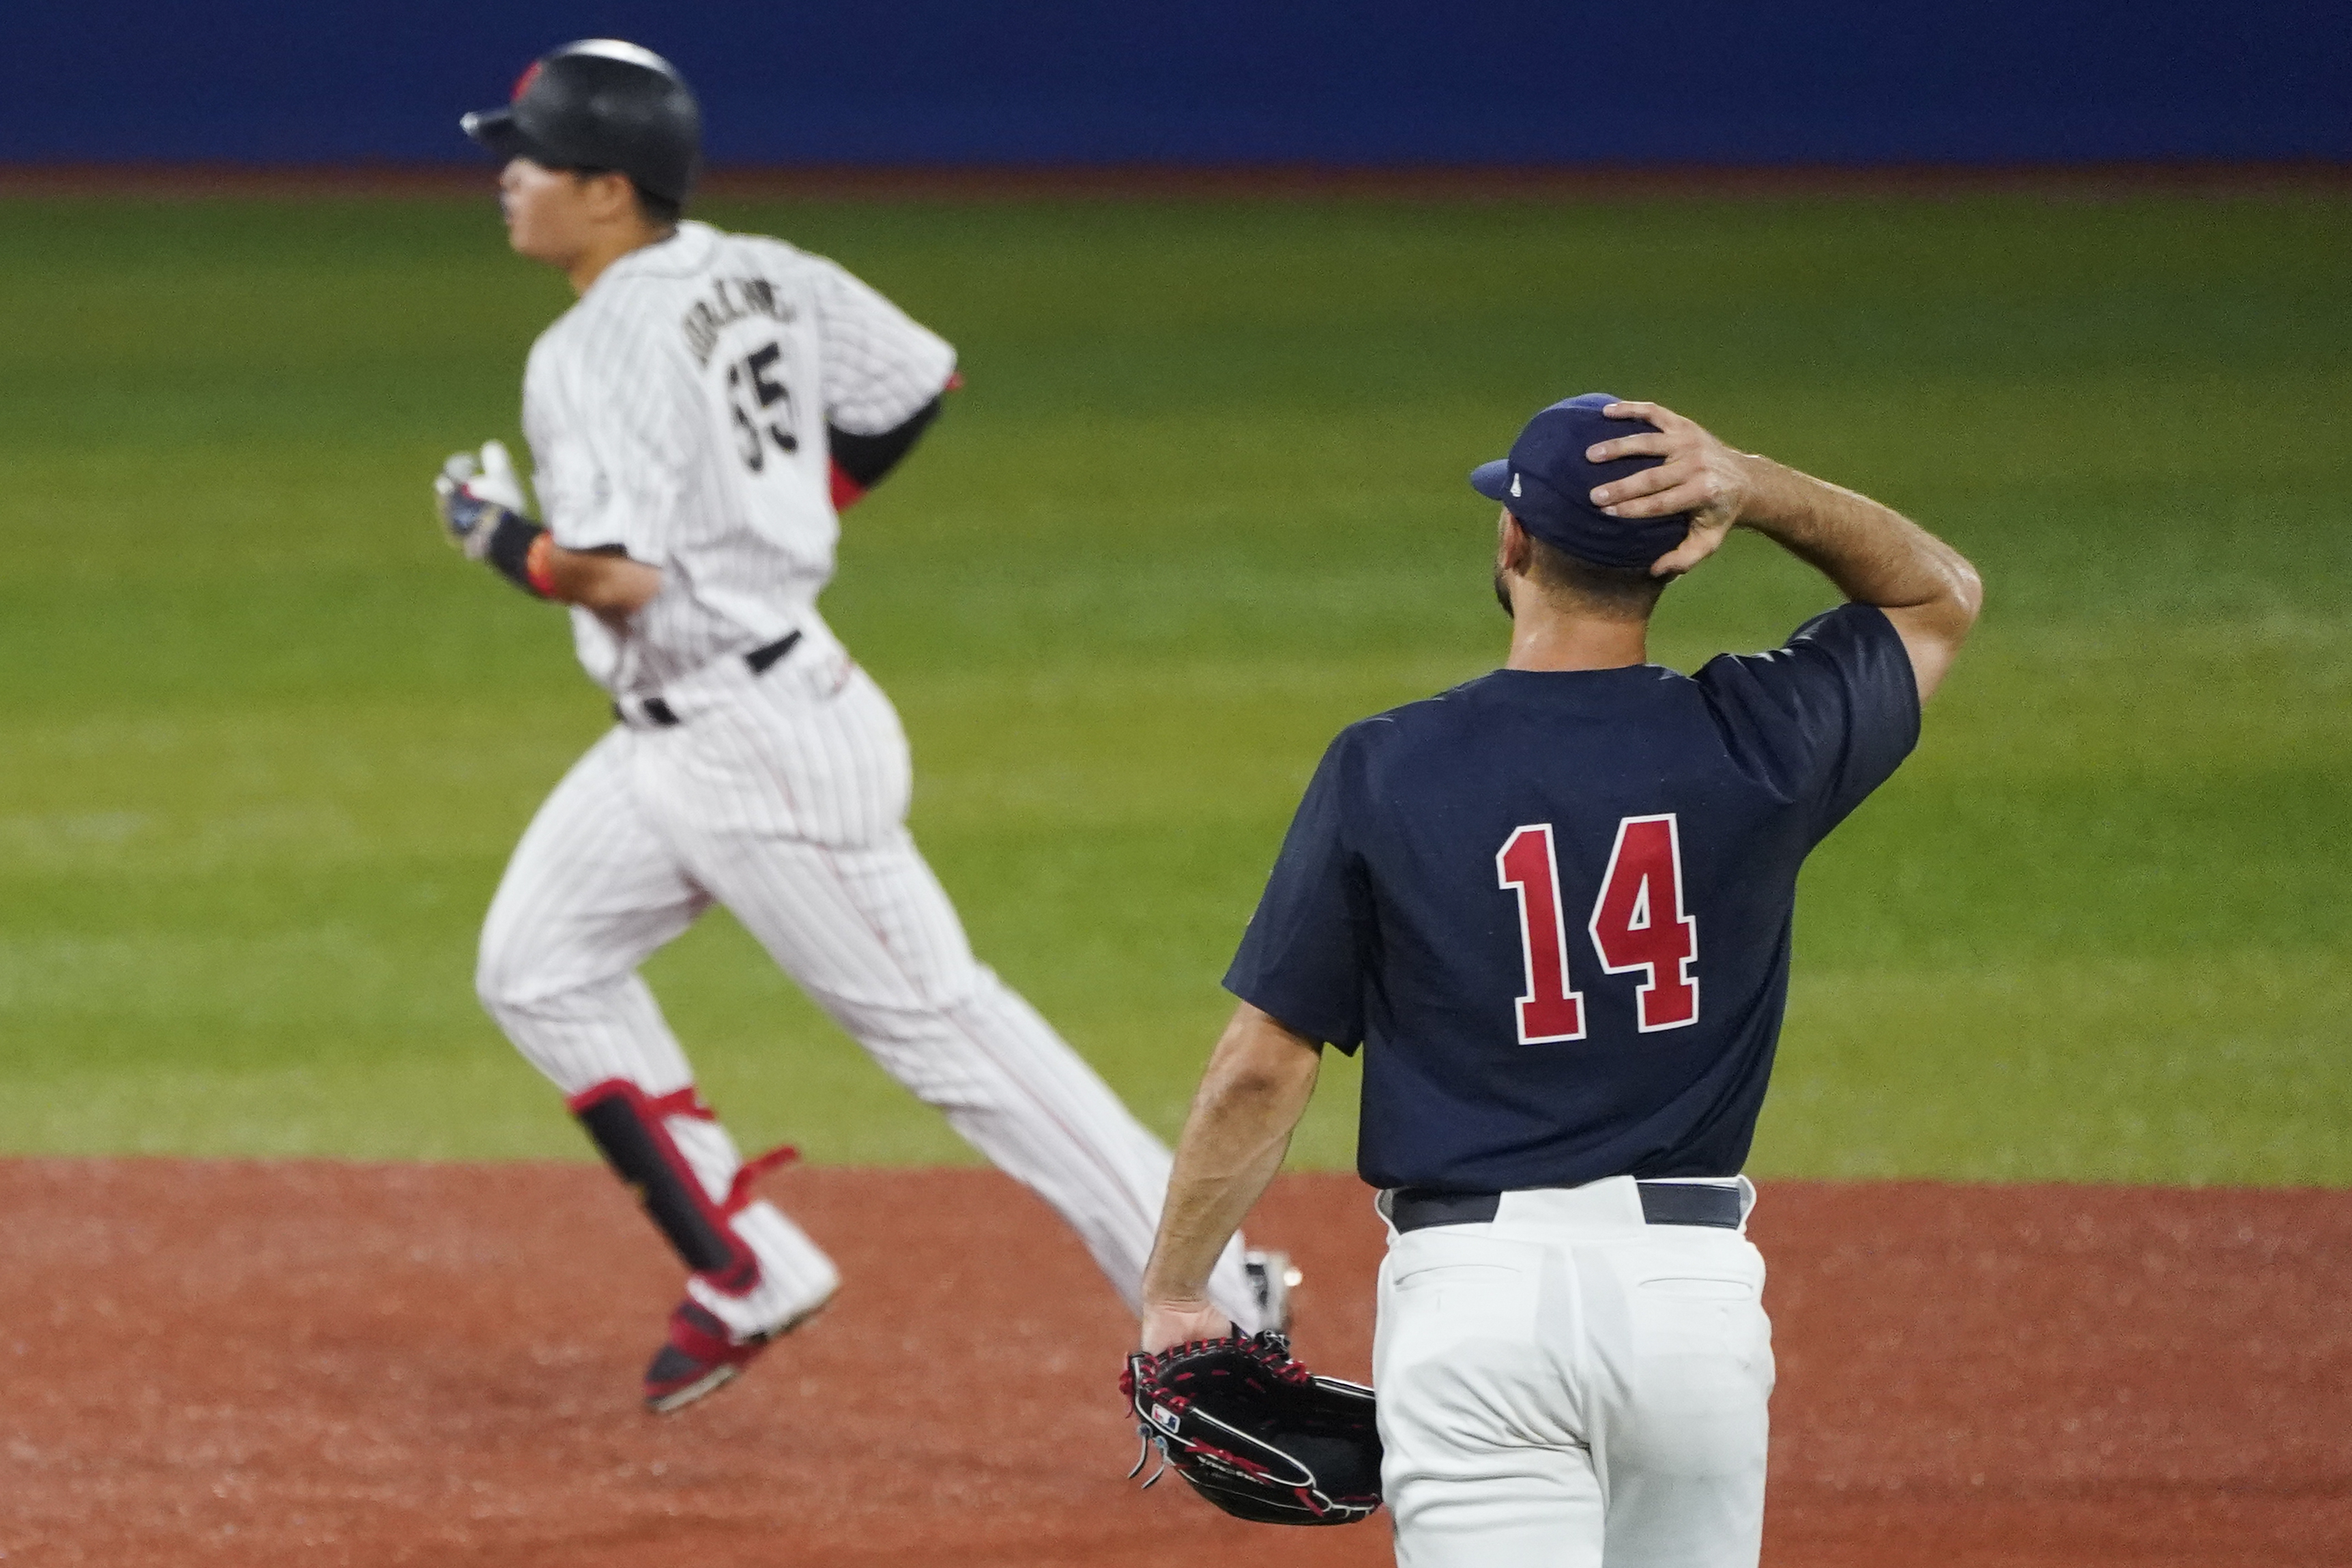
{"x":1255,"y":1433}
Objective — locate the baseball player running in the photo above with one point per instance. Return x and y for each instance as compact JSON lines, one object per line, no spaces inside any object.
{"x":696,"y":421}
{"x":1553,"y":905}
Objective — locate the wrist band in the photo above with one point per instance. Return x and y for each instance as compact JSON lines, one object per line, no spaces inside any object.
{"x":514,"y":548}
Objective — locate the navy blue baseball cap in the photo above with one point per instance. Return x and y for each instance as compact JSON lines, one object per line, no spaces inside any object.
{"x":1547,"y":483}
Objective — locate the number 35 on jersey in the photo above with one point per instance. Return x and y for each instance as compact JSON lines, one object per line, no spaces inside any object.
{"x":1638,"y":925}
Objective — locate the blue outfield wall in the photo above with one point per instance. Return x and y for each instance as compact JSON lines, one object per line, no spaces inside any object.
{"x":1379,"y":82}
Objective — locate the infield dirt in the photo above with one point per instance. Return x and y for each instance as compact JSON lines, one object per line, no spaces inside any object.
{"x":325,"y":1364}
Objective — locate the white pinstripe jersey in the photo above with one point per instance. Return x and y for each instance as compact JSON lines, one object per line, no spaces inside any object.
{"x":679,"y":410}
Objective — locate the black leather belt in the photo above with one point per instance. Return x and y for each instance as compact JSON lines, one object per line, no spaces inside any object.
{"x":760,"y":659}
{"x":1662,"y":1203}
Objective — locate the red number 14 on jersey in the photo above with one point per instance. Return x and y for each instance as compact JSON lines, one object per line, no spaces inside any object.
{"x":1637,"y":925}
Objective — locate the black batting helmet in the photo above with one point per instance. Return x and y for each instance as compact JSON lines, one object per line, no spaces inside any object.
{"x":601,"y":104}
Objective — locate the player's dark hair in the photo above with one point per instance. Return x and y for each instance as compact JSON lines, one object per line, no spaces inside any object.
{"x":1615,"y":593}
{"x":660,"y":212}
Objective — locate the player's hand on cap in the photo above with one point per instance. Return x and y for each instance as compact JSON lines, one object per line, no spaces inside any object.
{"x":1699,"y":476}
{"x":471,"y":494}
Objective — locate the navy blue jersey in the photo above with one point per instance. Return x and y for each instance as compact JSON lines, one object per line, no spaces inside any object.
{"x":1556,"y":906}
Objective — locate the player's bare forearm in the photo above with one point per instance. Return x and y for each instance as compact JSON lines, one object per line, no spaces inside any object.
{"x":1874,"y":553}
{"x":609,"y":584}
{"x":1257,"y":1087}
{"x":1875,"y":556}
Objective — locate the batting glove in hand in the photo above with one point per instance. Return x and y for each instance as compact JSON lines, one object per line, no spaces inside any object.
{"x":473,"y":495}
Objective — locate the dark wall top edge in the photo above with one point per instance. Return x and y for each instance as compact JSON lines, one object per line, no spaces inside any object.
{"x":1367,"y":83}
{"x":1274,"y":181}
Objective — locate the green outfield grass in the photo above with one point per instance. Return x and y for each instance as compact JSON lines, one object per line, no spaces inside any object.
{"x":268,"y":740}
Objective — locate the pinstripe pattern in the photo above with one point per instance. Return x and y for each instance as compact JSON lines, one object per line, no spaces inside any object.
{"x":639,"y":404}
{"x":782,"y":795}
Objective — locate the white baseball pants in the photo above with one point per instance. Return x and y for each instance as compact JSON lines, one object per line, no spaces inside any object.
{"x":783,"y":796}
{"x":1568,"y":1385}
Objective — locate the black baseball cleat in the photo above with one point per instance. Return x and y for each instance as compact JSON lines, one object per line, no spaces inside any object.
{"x":701,"y":1356}
{"x":1272,"y":1277}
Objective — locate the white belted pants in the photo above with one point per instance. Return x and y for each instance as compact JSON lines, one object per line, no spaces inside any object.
{"x":1568,"y":1385}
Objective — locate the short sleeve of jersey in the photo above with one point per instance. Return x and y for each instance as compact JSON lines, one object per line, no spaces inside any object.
{"x":1302,"y":958}
{"x":602,"y":475}
{"x":1826,"y":717}
{"x":881,"y":365}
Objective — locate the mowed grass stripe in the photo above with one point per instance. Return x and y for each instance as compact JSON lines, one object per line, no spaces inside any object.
{"x":1201,"y":506}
